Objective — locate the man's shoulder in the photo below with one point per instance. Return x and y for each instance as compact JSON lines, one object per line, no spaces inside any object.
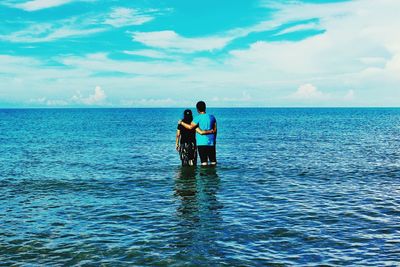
{"x":196,"y":119}
{"x":200,"y":117}
{"x":204,"y":117}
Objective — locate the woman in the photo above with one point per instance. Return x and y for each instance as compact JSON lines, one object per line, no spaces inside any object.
{"x":186,"y":140}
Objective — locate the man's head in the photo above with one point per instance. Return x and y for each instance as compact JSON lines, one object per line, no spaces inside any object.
{"x":201,"y":106}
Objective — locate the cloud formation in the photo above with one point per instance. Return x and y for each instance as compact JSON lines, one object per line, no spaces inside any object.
{"x":301,"y":27}
{"x":35,"y":5}
{"x":173,"y":41}
{"x":121,"y":17}
{"x":307,"y":92}
{"x":150,"y":102}
{"x":350,"y":95}
{"x":78,"y":26}
{"x":47,"y":33}
{"x":98,"y":97}
{"x":48,"y":102}
{"x":149,"y":53}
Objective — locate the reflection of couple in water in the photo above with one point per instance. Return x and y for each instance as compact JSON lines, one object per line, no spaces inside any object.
{"x":198,"y":134}
{"x":199,"y":224}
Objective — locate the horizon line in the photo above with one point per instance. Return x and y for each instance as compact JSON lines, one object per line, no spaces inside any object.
{"x":209,"y":107}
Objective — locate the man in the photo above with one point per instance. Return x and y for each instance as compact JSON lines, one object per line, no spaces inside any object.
{"x":205,"y":143}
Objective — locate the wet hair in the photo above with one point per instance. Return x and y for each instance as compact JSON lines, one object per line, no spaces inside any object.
{"x":187,"y":116}
{"x":201,"y":106}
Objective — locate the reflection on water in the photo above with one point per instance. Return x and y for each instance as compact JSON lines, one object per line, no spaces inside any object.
{"x":186,"y":191}
{"x":198,"y":213}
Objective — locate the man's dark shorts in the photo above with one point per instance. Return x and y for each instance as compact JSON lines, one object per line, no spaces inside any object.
{"x":207,"y":153}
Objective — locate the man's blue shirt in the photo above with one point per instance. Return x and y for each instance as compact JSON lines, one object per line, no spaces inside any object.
{"x":205,"y":122}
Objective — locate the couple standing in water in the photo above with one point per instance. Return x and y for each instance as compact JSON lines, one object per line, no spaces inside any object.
{"x":198,"y":134}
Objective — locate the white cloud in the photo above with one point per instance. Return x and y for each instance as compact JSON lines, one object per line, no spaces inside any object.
{"x":349,"y":95}
{"x":78,"y":26}
{"x":358,"y":49}
{"x":35,"y":5}
{"x":10,"y":62}
{"x":245,"y":97}
{"x":171,"y":40}
{"x":45,"y":32}
{"x":150,"y":102}
{"x":149,"y":53}
{"x":308,"y":92}
{"x":97,"y":98}
{"x":120,"y":17}
{"x":393,"y":65}
{"x":301,"y":27}
{"x":48,"y":102}
{"x":100,"y":62}
{"x":373,"y":61}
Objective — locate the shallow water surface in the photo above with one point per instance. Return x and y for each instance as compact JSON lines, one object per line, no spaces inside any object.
{"x":293,"y":187}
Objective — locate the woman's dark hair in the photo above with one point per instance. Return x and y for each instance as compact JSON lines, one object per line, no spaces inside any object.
{"x":187,"y":116}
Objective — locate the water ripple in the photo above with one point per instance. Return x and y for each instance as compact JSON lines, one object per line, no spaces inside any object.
{"x":301,"y":187}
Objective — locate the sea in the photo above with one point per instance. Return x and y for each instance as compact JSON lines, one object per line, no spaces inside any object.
{"x":293,"y":187}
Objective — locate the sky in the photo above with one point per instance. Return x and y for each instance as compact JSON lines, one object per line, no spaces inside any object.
{"x":242,"y":53}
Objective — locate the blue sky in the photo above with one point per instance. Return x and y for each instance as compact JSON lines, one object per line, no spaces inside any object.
{"x":148,"y":53}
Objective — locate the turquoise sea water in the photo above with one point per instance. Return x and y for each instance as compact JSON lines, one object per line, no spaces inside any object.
{"x":104,"y":187}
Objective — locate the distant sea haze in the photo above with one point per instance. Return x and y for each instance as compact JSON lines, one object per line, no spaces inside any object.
{"x":293,"y":187}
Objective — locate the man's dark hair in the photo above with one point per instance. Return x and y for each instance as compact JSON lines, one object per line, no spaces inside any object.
{"x":201,"y":106}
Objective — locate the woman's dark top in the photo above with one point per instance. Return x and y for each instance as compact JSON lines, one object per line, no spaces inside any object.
{"x":187,"y":136}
